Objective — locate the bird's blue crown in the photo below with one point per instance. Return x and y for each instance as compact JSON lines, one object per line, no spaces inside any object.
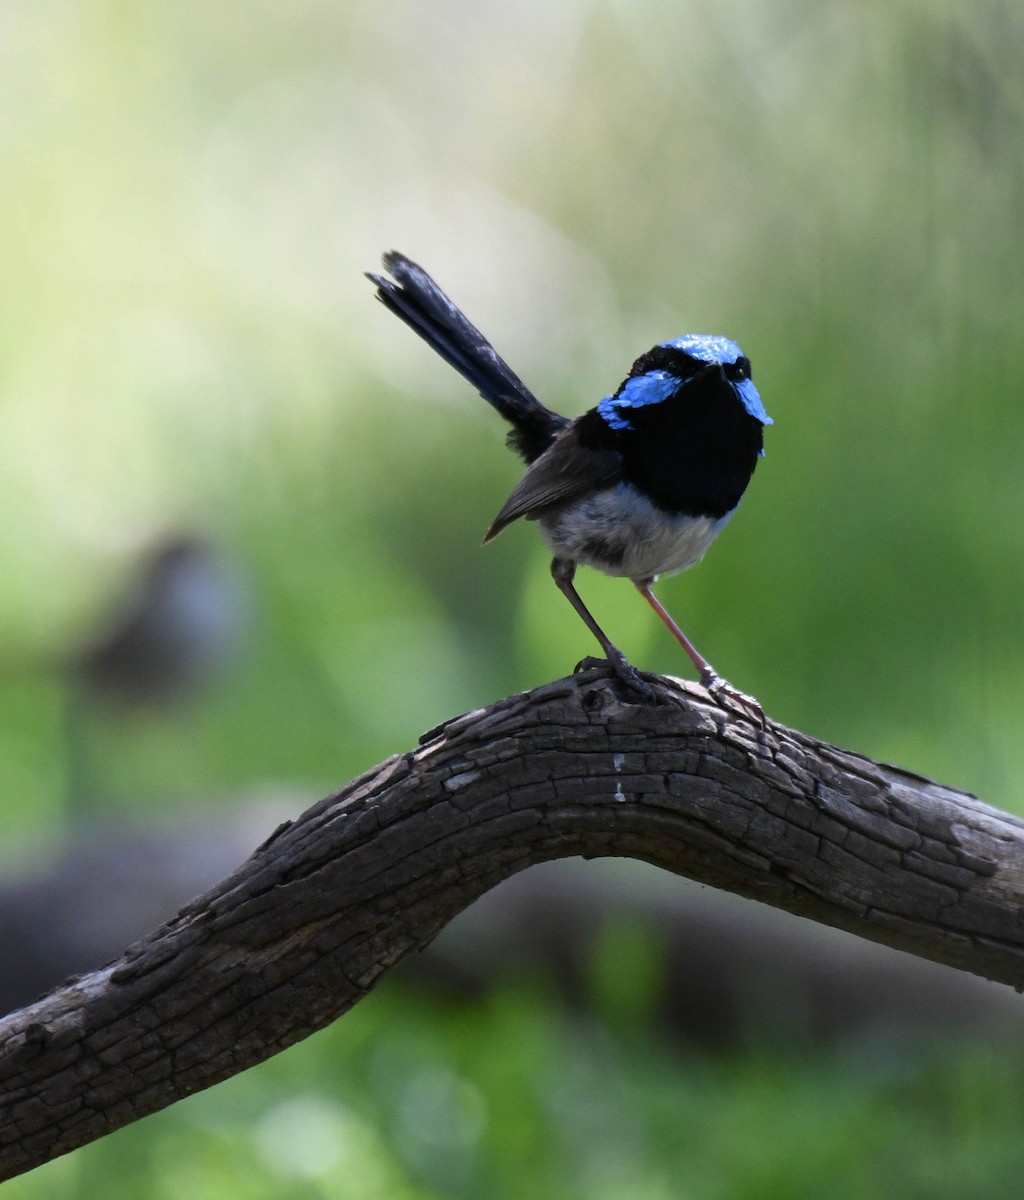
{"x":655,"y":386}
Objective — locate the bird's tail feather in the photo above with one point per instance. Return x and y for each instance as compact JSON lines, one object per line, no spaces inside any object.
{"x":425,"y":308}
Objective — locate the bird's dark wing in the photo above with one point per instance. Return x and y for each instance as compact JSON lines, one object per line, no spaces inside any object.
{"x":425,"y":308}
{"x":564,"y":472}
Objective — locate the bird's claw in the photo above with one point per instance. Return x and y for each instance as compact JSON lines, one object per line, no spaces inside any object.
{"x":627,"y":673}
{"x":722,"y":689}
{"x":632,"y":678}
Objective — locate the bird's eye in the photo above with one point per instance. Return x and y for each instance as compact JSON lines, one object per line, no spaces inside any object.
{"x":739,"y":370}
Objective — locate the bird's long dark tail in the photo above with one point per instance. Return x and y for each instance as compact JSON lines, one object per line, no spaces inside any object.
{"x":421,"y":304}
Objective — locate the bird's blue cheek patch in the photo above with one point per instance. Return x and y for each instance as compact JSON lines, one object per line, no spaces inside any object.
{"x":751,"y":401}
{"x":652,"y":388}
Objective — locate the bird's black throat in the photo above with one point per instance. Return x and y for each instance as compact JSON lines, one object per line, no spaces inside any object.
{"x":691,"y":454}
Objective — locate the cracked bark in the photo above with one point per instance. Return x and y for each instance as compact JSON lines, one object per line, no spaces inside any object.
{"x":308,"y":925}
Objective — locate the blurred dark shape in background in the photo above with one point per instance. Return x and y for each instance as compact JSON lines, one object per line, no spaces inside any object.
{"x":104,"y":888}
{"x":179,"y":627}
{"x":176,"y":633}
{"x":641,"y":946}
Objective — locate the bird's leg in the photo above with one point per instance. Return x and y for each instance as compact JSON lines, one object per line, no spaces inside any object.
{"x":563,"y":571}
{"x":709,"y":677}
{"x":705,"y":670}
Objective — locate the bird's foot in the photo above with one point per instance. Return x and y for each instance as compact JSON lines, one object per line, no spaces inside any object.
{"x":627,"y":673}
{"x":722,"y":689}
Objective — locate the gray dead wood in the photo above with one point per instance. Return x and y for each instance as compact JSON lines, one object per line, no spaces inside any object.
{"x":309,"y":924}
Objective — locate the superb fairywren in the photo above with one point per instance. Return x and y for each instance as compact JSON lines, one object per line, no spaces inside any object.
{"x":639,"y":486}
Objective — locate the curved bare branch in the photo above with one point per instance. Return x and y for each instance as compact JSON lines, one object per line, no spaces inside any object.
{"x":308,"y":925}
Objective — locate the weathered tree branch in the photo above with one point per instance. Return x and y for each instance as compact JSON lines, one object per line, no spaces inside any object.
{"x":304,"y":929}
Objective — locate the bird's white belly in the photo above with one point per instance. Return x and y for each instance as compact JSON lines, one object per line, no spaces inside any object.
{"x":621,"y":533}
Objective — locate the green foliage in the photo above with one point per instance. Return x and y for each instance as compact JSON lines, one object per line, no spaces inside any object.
{"x":418,"y":1100}
{"x":627,"y":975}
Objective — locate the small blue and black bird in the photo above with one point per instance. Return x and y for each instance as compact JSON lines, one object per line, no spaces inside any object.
{"x":639,"y":486}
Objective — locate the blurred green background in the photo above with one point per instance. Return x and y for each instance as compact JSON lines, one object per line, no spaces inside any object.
{"x":190,"y":194}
